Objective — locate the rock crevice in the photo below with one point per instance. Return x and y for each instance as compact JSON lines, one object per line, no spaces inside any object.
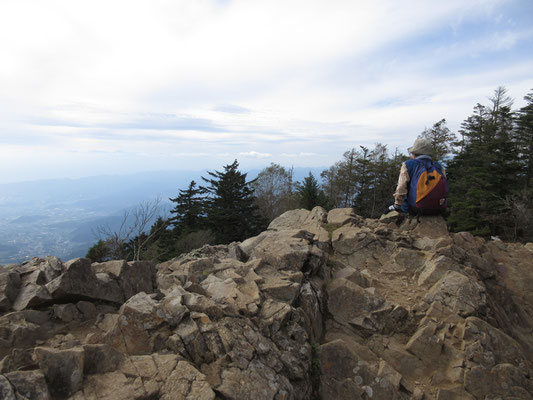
{"x":320,"y":305}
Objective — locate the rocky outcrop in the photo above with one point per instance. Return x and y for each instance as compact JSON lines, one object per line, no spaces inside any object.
{"x":320,"y":305}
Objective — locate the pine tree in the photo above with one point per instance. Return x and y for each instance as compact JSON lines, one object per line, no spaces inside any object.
{"x":441,"y":138}
{"x":363,"y":189}
{"x":309,"y":194}
{"x":485,"y":169}
{"x":189,"y":212}
{"x":99,"y":252}
{"x":339,"y":180}
{"x":232,"y":214}
{"x":524,"y":136}
{"x":384,"y":173}
{"x":331,"y":185}
{"x":161,"y":246}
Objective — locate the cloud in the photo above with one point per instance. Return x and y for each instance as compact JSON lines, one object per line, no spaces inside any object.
{"x":151,"y":121}
{"x":207,"y":81}
{"x":231,"y":109}
{"x":255,"y":154}
{"x":302,"y":154}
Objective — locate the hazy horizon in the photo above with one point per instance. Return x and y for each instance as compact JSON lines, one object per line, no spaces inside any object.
{"x":58,"y":216}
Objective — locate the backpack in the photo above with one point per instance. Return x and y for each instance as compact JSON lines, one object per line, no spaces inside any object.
{"x":428,"y":189}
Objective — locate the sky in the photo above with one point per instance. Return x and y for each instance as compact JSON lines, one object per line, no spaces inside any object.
{"x":114,"y":87}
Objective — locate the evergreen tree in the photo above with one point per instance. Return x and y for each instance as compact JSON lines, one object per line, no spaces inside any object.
{"x":161,"y":245}
{"x":347,"y":175}
{"x":377,"y":174}
{"x":339,"y":180}
{"x":441,"y":138}
{"x":232,"y":214}
{"x":524,"y":136}
{"x":309,"y":194}
{"x":363,"y":187}
{"x":99,"y":252}
{"x":485,"y":169}
{"x":384,"y":177}
{"x":189,"y":211}
{"x":330,"y":184}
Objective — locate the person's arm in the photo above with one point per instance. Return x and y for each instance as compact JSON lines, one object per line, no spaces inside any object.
{"x":401,"y":188}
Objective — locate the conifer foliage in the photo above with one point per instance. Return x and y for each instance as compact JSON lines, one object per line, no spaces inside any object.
{"x":364,"y":179}
{"x":232,"y":214}
{"x":310,"y":195}
{"x":486,"y":169}
{"x":189,"y":211}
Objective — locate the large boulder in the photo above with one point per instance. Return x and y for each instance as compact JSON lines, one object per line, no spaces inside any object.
{"x":23,"y":329}
{"x":463,"y":295}
{"x":6,"y":390}
{"x":79,"y":281}
{"x":291,"y":250}
{"x":133,"y":277}
{"x":63,"y":369}
{"x":29,"y":385}
{"x":343,"y":216}
{"x":9,"y":288}
{"x":30,"y":296}
{"x":345,"y":375}
{"x":187,"y":383}
{"x":347,"y":300}
{"x":313,"y":221}
{"x":138,"y":318}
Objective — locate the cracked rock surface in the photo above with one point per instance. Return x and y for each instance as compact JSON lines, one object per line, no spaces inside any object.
{"x":320,"y":305}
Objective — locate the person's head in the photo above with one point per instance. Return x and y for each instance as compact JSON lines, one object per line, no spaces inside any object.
{"x":421,"y":147}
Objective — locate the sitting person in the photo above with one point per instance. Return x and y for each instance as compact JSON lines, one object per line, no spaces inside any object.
{"x":422,"y":187}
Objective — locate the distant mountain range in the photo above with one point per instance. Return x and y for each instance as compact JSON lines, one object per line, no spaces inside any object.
{"x":58,"y":217}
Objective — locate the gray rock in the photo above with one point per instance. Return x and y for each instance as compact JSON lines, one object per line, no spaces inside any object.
{"x":456,"y":393}
{"x":425,"y":344}
{"x":435,"y":270}
{"x":256,"y":382}
{"x":347,"y":300}
{"x":31,"y":295}
{"x":63,"y":369}
{"x":291,"y":250}
{"x":47,"y":269}
{"x":431,"y":227}
{"x":29,"y":385}
{"x":87,"y":309}
{"x":138,"y":317}
{"x":391,"y":216}
{"x":66,"y":312}
{"x":114,"y":267}
{"x":17,"y":359}
{"x":343,"y":374}
{"x":100,"y":359}
{"x":343,"y":216}
{"x":9,"y":288}
{"x":186,"y":383}
{"x":137,"y":277}
{"x":79,"y":281}
{"x":22,"y":329}
{"x":461,"y":294}
{"x":6,"y":390}
{"x":311,"y":221}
